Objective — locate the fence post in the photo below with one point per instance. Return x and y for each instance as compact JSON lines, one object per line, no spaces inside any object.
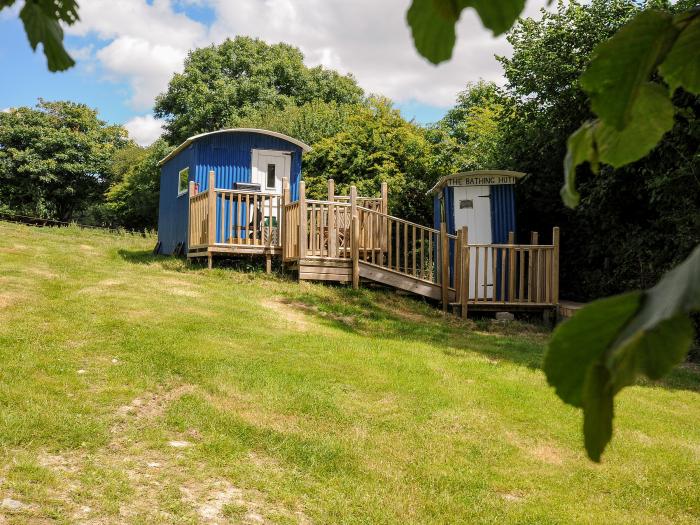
{"x":464,"y":290}
{"x":555,"y":266}
{"x":332,"y":234}
{"x":355,"y":234}
{"x":457,"y":266}
{"x":302,"y":220}
{"x":444,"y":266}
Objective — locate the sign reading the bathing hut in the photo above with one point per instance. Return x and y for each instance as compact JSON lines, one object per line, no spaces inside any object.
{"x":481,"y":180}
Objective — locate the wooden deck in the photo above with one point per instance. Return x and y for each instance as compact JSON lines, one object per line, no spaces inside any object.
{"x":351,"y":238}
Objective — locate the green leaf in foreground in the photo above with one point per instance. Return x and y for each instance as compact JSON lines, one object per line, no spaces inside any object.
{"x":432,"y":22}
{"x":682,"y":64}
{"x":610,"y":342}
{"x":579,"y":342}
{"x":622,"y":64}
{"x":651,"y":117}
{"x":41,"y":23}
{"x":579,"y":149}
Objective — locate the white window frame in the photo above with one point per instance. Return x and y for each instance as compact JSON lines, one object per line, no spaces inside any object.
{"x":180,"y":192}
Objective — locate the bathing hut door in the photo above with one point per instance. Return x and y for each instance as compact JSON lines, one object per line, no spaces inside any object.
{"x":472,"y":208}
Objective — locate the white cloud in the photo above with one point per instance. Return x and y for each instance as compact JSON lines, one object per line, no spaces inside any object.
{"x":144,"y":44}
{"x":6,"y":110}
{"x":144,"y":130}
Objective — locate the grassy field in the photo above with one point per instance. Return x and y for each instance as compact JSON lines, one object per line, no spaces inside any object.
{"x":137,"y":389}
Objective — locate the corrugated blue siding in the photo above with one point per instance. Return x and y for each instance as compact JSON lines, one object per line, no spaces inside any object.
{"x":502,"y":212}
{"x":502,"y":222}
{"x":172,"y":209}
{"x":436,"y":211}
{"x":230,"y":156}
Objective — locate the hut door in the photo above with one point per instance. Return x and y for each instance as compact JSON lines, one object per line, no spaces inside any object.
{"x":269,"y":167}
{"x":472,"y":208}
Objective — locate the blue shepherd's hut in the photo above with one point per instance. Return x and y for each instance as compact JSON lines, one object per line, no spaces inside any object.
{"x":249,"y":166}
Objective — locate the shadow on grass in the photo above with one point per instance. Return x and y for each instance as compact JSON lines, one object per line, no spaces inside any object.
{"x":383,"y":314}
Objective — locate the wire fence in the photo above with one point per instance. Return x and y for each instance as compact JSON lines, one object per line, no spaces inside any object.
{"x":9,"y":216}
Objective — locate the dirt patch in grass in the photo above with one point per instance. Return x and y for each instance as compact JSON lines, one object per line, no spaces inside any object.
{"x":291,"y":313}
{"x":148,"y":406}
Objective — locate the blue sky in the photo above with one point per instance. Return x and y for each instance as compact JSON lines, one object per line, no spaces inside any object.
{"x":127,"y":51}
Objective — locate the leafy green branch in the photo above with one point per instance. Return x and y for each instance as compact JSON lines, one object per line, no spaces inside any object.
{"x":42,"y":24}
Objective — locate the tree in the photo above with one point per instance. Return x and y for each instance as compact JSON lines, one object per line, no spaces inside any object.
{"x":225,"y":84}
{"x":309,"y":122}
{"x":376,"y":145}
{"x":468,"y":136}
{"x":55,"y":158}
{"x":132,"y":200}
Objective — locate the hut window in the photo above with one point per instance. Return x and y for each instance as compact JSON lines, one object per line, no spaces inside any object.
{"x":271,"y":181}
{"x":183,"y":179}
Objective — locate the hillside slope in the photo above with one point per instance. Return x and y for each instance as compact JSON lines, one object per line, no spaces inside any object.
{"x":136,"y":389}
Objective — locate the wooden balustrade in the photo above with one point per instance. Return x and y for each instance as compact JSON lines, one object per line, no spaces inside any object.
{"x":198,"y":226}
{"x":512,"y":273}
{"x":398,"y":245}
{"x":359,"y":230}
{"x":248,"y":218}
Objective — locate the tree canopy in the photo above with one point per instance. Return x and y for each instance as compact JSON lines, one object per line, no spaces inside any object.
{"x":55,"y":158}
{"x":221,"y":85}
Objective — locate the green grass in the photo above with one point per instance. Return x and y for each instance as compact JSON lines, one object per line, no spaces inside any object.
{"x":297,"y":403}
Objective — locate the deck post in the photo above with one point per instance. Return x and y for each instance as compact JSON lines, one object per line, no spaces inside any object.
{"x":535,"y":261}
{"x":211,"y":215}
{"x":332,"y":234}
{"x":283,"y":218}
{"x":190,"y":226}
{"x":444,"y":266}
{"x":268,"y":263}
{"x":555,"y":266}
{"x":464,"y":290}
{"x":302,"y":220}
{"x":384,"y":193}
{"x":457,"y":266}
{"x":511,"y":267}
{"x":355,"y":234}
{"x":385,"y":198}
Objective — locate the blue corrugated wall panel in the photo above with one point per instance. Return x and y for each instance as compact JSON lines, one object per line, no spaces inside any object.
{"x":502,"y":221}
{"x":172,"y":209}
{"x":230,"y":156}
{"x":502,"y":212}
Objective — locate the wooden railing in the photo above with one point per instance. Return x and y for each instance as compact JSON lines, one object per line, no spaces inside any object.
{"x":290,"y":235}
{"x":512,"y":273}
{"x":248,"y":218}
{"x":359,"y":229}
{"x":198,"y":224}
{"x":232,"y":217}
{"x":398,"y":245}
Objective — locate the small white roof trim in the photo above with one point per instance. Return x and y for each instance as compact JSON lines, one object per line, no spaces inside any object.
{"x":304,"y":147}
{"x":477,"y":173}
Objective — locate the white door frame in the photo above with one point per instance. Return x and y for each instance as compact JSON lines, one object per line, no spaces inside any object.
{"x":256,"y":176}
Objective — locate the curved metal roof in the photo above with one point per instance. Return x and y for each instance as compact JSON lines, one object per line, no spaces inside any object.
{"x":304,"y":147}
{"x":477,"y":173}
